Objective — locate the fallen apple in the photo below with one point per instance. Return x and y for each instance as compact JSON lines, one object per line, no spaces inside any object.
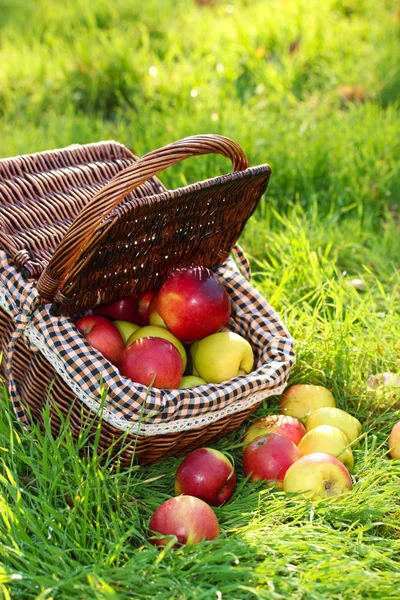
{"x":126,"y":329}
{"x":285,"y":425}
{"x":189,"y":519}
{"x":383,"y":380}
{"x":300,"y":399}
{"x":207,"y":474}
{"x":329,"y":415}
{"x":152,"y":361}
{"x":221,"y":356}
{"x":269,"y":457}
{"x":160,"y":332}
{"x":318,"y":475}
{"x":193,"y":303}
{"x":190,"y":381}
{"x":394,"y":441}
{"x":124,"y":309}
{"x":102,"y":335}
{"x":330,"y":440}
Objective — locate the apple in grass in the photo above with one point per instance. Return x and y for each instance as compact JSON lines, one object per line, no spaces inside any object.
{"x":328,"y":439}
{"x":285,"y":425}
{"x":318,"y":475}
{"x":394,"y":441}
{"x":221,"y":356}
{"x":102,"y":335}
{"x":193,"y":303}
{"x":207,"y":474}
{"x":188,"y":518}
{"x":300,"y":399}
{"x":152,"y":361}
{"x":329,"y":415}
{"x":161,"y":332}
{"x":269,"y":457}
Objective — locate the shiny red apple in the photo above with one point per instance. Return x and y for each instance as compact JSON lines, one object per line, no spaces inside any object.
{"x":285,"y":425}
{"x":269,"y":457}
{"x":207,"y":474}
{"x":152,"y":361}
{"x":193,"y":303}
{"x":102,"y":335}
{"x":124,"y":309}
{"x":143,"y":305}
{"x":188,"y":518}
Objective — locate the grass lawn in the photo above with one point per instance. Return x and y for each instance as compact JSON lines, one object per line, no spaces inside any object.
{"x":312,"y":88}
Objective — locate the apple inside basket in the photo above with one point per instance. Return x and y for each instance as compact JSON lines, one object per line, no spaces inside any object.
{"x":133,"y":407}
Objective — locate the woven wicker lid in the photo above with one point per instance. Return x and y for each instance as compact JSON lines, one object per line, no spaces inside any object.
{"x":119,"y":245}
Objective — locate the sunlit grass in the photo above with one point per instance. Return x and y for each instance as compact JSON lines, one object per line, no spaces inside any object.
{"x":311,"y":88}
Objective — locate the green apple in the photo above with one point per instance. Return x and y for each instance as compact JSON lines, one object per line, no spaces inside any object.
{"x":160,"y":332}
{"x":126,"y":328}
{"x":221,"y":356}
{"x":301,"y":399}
{"x":330,"y":440}
{"x":319,"y":475}
{"x":329,"y":415}
{"x":190,"y":381}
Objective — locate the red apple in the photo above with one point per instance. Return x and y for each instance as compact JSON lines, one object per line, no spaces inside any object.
{"x":193,"y":303}
{"x":143,"y":305}
{"x":285,"y":425}
{"x":207,"y":474}
{"x":394,"y":441}
{"x":318,"y":474}
{"x":102,"y":335}
{"x":188,"y":518}
{"x":269,"y":457}
{"x":124,"y":309}
{"x":152,"y":357}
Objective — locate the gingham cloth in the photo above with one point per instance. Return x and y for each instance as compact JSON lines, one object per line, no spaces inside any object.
{"x":130,"y":405}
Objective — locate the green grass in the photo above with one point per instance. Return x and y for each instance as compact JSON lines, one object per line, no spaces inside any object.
{"x":312,"y":88}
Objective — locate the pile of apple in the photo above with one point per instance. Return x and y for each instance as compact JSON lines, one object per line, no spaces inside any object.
{"x":151,"y":335}
{"x":306,"y":448}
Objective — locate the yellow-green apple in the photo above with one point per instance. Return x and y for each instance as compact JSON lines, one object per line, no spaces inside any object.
{"x":328,"y":439}
{"x":319,"y":474}
{"x":300,"y":399}
{"x":207,"y":474}
{"x":126,"y":329}
{"x":394,"y":441}
{"x":123,"y":309}
{"x":144,"y":300}
{"x":285,"y":425}
{"x":189,"y":519}
{"x":152,"y":361}
{"x":269,"y":457}
{"x":193,"y":303}
{"x":330,"y":415}
{"x":153,"y":315}
{"x":161,"y":332}
{"x":102,"y":335}
{"x":221,"y":356}
{"x":190,"y":381}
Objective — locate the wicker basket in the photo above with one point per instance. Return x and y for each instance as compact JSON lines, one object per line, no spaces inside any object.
{"x":88,"y":224}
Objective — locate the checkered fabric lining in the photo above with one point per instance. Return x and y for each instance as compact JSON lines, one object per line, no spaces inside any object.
{"x":83,"y":368}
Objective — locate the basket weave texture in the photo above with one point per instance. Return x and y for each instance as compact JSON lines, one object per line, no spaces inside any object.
{"x":89,"y":224}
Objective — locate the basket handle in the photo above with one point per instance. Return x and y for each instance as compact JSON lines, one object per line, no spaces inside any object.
{"x":110,"y":196}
